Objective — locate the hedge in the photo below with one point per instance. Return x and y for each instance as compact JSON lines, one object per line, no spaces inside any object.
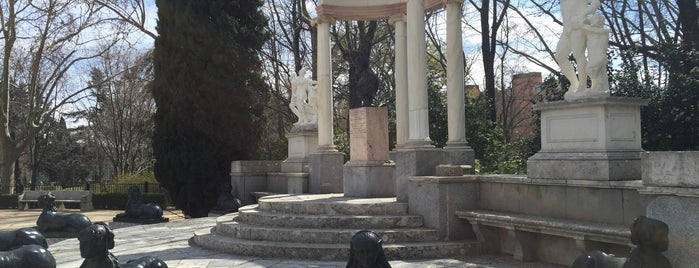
{"x":117,"y":201}
{"x":8,"y":201}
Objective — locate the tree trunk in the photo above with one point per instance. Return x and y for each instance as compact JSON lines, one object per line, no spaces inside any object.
{"x":7,"y":166}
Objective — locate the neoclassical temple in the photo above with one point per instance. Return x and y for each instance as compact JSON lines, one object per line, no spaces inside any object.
{"x":408,"y":18}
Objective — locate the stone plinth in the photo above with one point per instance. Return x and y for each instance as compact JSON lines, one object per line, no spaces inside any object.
{"x":325,"y":172}
{"x":368,"y":134}
{"x":370,"y":172}
{"x":369,"y":179}
{"x":303,"y":140}
{"x":596,"y":138}
{"x":414,"y":162}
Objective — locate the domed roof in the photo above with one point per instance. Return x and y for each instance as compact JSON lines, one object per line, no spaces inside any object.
{"x":368,"y":9}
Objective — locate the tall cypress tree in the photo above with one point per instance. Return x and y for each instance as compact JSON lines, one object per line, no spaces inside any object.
{"x":207,"y":88}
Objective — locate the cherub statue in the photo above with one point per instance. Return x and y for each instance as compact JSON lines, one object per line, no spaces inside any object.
{"x":366,"y":251}
{"x":597,"y":43}
{"x":303,"y":101}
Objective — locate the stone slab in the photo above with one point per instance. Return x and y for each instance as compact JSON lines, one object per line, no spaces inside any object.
{"x":369,"y":179}
{"x":325,"y":172}
{"x":601,"y":166}
{"x":459,"y":155}
{"x":301,"y":145}
{"x":671,"y":169}
{"x":681,"y":214}
{"x":368,"y":134}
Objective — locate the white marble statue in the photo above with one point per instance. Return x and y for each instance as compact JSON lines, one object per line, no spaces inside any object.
{"x":597,"y":43}
{"x":304,"y":98}
{"x":574,"y":40}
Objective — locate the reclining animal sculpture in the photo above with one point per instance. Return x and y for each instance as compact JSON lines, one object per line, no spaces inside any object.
{"x":52,"y":220}
{"x":95,"y":243}
{"x":649,"y":236}
{"x":10,"y":240}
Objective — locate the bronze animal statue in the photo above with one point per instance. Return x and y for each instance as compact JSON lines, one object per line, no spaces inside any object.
{"x":136,"y":207}
{"x":27,"y":256}
{"x":10,"y":240}
{"x":95,"y":243}
{"x":226,"y":202}
{"x":366,"y":251}
{"x":51,"y":220}
{"x":649,"y":236}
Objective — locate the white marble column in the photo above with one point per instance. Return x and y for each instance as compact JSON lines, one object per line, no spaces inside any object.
{"x":325,"y":92}
{"x":401,"y":76}
{"x":419,"y":130}
{"x":455,"y":76}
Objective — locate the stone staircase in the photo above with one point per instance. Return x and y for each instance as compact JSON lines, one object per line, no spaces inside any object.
{"x":320,"y":227}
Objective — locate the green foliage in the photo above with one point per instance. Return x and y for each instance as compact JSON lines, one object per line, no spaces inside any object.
{"x":437,"y":112}
{"x":208,"y":89}
{"x":492,"y":151}
{"x":8,"y":201}
{"x":670,"y":121}
{"x":118,"y":201}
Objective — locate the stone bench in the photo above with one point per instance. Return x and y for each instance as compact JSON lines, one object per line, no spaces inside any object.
{"x":526,"y":230}
{"x":84,"y":198}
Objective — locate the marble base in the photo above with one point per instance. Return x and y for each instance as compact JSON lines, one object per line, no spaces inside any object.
{"x":325,"y":172}
{"x":592,"y":138}
{"x":458,"y":155}
{"x":369,"y":179}
{"x":597,"y":166}
{"x":301,"y":144}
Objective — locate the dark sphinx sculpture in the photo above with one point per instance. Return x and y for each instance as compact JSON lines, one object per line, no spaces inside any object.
{"x":95,"y":243}
{"x":649,"y":236}
{"x":226,"y":202}
{"x":366,"y":251}
{"x":10,"y":240}
{"x":137,"y":210}
{"x":27,"y":256}
{"x":51,"y":220}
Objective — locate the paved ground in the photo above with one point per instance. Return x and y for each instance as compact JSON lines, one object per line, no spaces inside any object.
{"x":169,"y":241}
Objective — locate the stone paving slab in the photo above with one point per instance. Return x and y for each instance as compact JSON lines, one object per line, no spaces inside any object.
{"x":169,"y":241}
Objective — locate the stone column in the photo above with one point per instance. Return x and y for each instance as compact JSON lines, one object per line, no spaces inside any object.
{"x":325,"y":95}
{"x":456,"y":118}
{"x":419,"y":131}
{"x":457,"y":152}
{"x":401,"y":76}
{"x":325,"y":164}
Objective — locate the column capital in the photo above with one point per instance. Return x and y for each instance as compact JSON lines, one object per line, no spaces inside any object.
{"x":400,"y":17}
{"x":446,"y":2}
{"x":323,"y":18}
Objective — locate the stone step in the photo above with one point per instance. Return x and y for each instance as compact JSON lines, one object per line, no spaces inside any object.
{"x":332,"y":204}
{"x":210,"y":239}
{"x":321,"y":236}
{"x":272,"y":219}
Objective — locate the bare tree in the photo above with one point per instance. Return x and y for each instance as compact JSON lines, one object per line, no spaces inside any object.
{"x":120,"y":119}
{"x":44,"y":43}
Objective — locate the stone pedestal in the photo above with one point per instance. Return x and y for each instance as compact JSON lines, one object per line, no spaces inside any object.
{"x":325,"y":172}
{"x":370,"y":172}
{"x":414,"y":162}
{"x":302,"y":141}
{"x":596,"y":138}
